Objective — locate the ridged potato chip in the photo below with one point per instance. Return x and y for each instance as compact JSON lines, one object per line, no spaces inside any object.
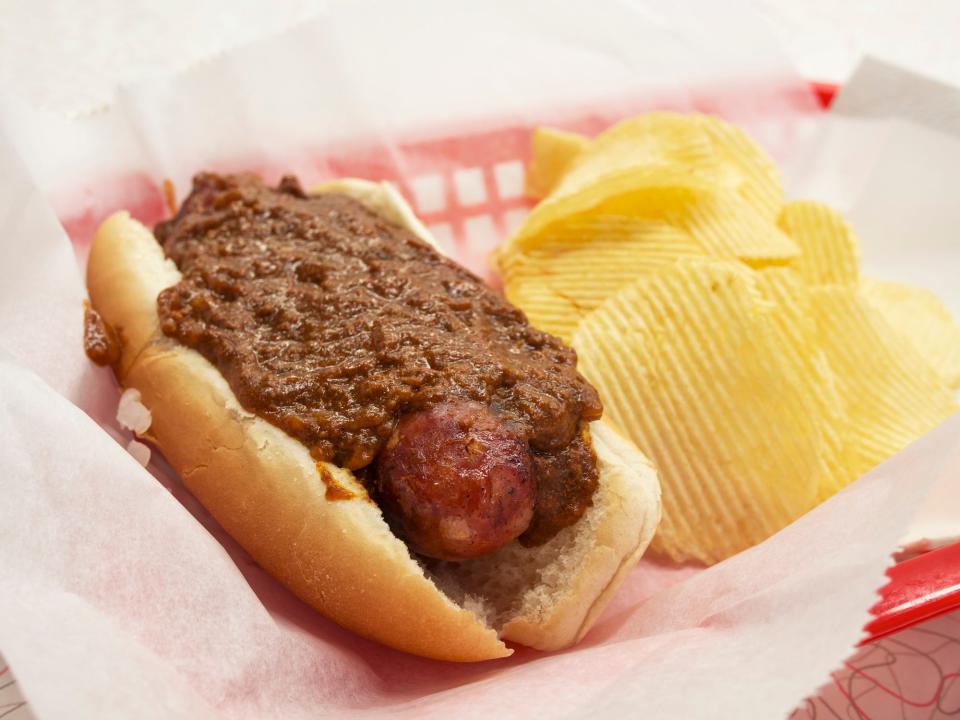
{"x":758,"y":178}
{"x":728,"y":332}
{"x":661,"y":152}
{"x":546,"y":308}
{"x":688,"y":363}
{"x":796,"y":328}
{"x":891,"y":395}
{"x":729,"y":228}
{"x":653,"y":193}
{"x":552,"y":151}
{"x":657,"y":140}
{"x":659,"y":165}
{"x":923,"y":321}
{"x":550,"y":276}
{"x":549,"y":281}
{"x":829,"y":249}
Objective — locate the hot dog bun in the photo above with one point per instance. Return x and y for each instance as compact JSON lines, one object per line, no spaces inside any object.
{"x":313,"y":526}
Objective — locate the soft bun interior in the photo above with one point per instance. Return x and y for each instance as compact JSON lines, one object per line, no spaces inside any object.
{"x":548,"y":596}
{"x":339,"y":554}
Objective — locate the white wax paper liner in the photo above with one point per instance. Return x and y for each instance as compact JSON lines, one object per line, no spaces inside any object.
{"x":117,"y":602}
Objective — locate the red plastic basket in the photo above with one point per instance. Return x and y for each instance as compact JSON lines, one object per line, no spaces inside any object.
{"x":475,"y":180}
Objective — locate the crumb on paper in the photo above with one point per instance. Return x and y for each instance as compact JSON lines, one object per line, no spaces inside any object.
{"x":133,"y":414}
{"x":140,"y":452}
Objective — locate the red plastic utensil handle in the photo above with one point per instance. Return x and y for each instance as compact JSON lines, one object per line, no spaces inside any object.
{"x":919,"y":589}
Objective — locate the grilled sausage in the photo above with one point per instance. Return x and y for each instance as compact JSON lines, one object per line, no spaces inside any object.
{"x":455,"y":481}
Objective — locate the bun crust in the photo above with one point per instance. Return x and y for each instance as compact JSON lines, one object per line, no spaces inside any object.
{"x":313,"y":526}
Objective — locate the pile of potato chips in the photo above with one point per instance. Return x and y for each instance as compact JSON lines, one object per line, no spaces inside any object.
{"x":729,"y":332}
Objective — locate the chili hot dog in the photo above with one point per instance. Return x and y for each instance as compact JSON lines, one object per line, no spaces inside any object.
{"x":383,"y":433}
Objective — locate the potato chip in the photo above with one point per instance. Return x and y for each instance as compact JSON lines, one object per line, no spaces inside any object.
{"x":694,"y":170}
{"x":830,"y":251}
{"x":757,"y":176}
{"x":661,"y":151}
{"x":688,"y":364}
{"x":654,"y":193}
{"x":546,"y":308}
{"x":619,"y":248}
{"x":666,"y":140}
{"x":729,"y":334}
{"x":729,"y":228}
{"x":923,"y":321}
{"x":799,"y":347}
{"x":552,"y":152}
{"x":550,"y":279}
{"x":891,"y":393}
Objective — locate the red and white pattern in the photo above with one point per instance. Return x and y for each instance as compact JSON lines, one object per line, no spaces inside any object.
{"x":913,"y":675}
{"x":13,"y":706}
